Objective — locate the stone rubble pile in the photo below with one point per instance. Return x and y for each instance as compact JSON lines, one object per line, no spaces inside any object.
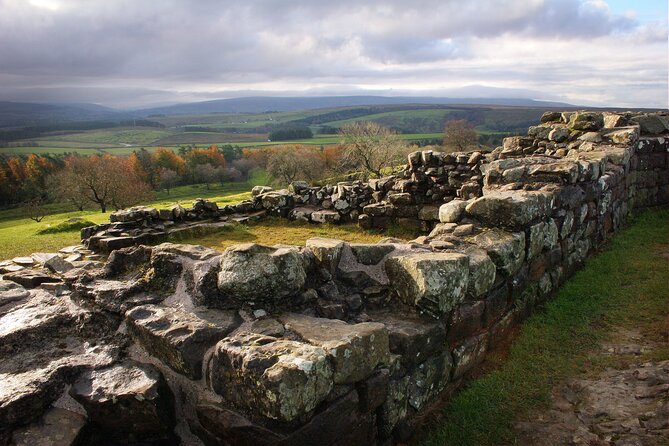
{"x":334,"y":342}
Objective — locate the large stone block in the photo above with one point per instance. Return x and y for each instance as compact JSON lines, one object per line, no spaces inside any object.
{"x":414,"y":339}
{"x":355,"y":350}
{"x":452,"y":211}
{"x":327,"y":251}
{"x":253,"y":272}
{"x":275,"y":378}
{"x":180,"y":338}
{"x":129,"y":401}
{"x":482,"y":272}
{"x":506,"y":249}
{"x":434,"y":282}
{"x":513,"y":209}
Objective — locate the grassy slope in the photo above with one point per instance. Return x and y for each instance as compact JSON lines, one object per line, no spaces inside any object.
{"x":624,"y":286}
{"x":19,"y":235}
{"x":279,"y":231}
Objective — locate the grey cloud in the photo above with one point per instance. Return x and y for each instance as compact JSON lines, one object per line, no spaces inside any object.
{"x":168,"y":46}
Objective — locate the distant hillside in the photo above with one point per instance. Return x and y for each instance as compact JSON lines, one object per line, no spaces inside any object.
{"x":25,"y":114}
{"x":262,"y":104}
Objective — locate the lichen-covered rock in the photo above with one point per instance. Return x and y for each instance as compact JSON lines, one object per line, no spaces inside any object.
{"x":588,"y":121}
{"x":482,"y":272}
{"x":543,"y":235}
{"x":253,"y":272}
{"x":470,"y":353}
{"x":129,"y":401}
{"x":428,"y":380}
{"x":327,"y":251}
{"x":325,"y":216}
{"x":413,"y":338}
{"x":506,"y":249}
{"x":371,"y":254}
{"x":513,"y":209}
{"x":651,"y":124}
{"x":259,"y":190}
{"x":355,"y":350}
{"x":180,"y":338}
{"x":275,"y":378}
{"x":434,"y":282}
{"x":134,"y":214}
{"x":452,"y":211}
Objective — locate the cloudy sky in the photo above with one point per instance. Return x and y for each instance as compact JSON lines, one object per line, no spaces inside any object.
{"x":130,"y":53}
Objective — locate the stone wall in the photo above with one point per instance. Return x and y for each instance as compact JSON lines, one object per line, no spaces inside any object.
{"x":333,"y":342}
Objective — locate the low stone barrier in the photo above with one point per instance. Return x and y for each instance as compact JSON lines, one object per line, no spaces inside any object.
{"x":334,"y":342}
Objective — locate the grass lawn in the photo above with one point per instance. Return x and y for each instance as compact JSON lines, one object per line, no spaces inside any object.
{"x":274,"y":230}
{"x":20,"y":236}
{"x":624,"y":286}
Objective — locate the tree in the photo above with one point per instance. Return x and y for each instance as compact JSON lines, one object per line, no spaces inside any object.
{"x":244,"y":166}
{"x":104,"y":180}
{"x":459,"y":135}
{"x":168,"y":179}
{"x":63,"y":186}
{"x":142,"y":163}
{"x":167,"y":159}
{"x":291,"y":163}
{"x":371,"y":148}
{"x":207,"y":174}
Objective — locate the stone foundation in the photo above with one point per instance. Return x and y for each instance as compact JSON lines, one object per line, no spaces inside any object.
{"x":335,"y":343}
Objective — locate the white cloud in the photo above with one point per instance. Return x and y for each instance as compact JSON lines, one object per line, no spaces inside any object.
{"x":574,"y":49}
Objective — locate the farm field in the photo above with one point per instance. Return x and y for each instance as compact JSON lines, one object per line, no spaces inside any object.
{"x":415,"y":123}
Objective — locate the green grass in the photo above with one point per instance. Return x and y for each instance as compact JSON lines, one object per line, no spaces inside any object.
{"x":624,"y":286}
{"x":135,"y":136}
{"x":273,"y":230}
{"x":19,"y":235}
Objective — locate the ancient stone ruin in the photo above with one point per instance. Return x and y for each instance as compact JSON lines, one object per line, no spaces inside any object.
{"x":125,"y":341}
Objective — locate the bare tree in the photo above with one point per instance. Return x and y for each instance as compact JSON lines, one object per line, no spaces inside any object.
{"x":103,"y":180}
{"x":244,"y":166}
{"x":168,"y":179}
{"x":372,"y":148}
{"x":291,"y":163}
{"x":459,"y":135}
{"x":35,"y":210}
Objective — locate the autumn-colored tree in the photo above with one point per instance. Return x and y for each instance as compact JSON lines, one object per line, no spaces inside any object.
{"x":210,"y":155}
{"x":167,"y":159}
{"x":17,"y":169}
{"x":459,"y":135}
{"x":371,"y":148}
{"x":142,"y":163}
{"x":37,"y":168}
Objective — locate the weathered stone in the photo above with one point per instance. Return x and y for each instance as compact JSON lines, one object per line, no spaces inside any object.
{"x":452,"y":211}
{"x":58,"y":265}
{"x":253,"y":272}
{"x":31,"y":278}
{"x":354,"y":350}
{"x":482,"y":272}
{"x":650,"y":124}
{"x":513,"y":209}
{"x":228,"y":427}
{"x":259,"y":190}
{"x":325,"y":216}
{"x":57,"y":427}
{"x":586,"y":121}
{"x":612,"y":120}
{"x":428,"y":380}
{"x":627,"y":136}
{"x":276,"y":378}
{"x":506,"y":249}
{"x":276,"y":199}
{"x":11,"y":292}
{"x":434,"y":282}
{"x":127,"y":402}
{"x":551,"y":116}
{"x":543,"y":235}
{"x":134,"y":214}
{"x":429,"y":213}
{"x":371,"y":254}
{"x":470,"y":353}
{"x":413,"y":338}
{"x":327,"y":251}
{"x":558,"y":134}
{"x":180,"y":338}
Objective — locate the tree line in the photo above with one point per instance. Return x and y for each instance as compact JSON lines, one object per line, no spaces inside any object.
{"x":366,"y":150}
